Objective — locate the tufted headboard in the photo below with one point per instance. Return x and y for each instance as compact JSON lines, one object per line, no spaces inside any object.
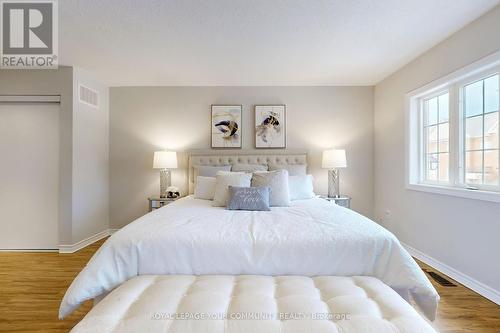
{"x":215,"y":158}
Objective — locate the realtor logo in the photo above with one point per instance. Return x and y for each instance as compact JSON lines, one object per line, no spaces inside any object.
{"x":29,"y":34}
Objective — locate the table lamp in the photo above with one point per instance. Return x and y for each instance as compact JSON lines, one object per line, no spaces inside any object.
{"x":334,"y":160}
{"x":165,"y":161}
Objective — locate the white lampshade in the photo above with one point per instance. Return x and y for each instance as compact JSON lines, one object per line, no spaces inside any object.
{"x":165,"y":160}
{"x":334,"y":159}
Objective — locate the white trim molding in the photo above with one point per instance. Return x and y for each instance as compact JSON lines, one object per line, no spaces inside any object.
{"x":30,"y":250}
{"x":72,"y":248}
{"x":456,"y":192}
{"x":471,"y":283}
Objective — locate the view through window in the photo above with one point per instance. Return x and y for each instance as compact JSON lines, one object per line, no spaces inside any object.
{"x":481,"y":131}
{"x":459,"y":135}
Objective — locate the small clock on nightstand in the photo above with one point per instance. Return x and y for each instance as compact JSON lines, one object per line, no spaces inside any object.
{"x":342,"y":200}
{"x":157,"y":202}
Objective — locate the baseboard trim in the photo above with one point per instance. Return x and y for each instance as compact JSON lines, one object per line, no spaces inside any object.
{"x":86,"y":242}
{"x":30,"y":250}
{"x":471,"y":283}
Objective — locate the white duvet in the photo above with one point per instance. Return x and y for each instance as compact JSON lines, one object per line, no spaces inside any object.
{"x":312,"y":237}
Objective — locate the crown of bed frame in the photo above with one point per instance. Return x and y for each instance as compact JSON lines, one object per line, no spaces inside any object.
{"x":230,"y":157}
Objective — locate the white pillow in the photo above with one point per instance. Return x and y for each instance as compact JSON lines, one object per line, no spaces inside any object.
{"x":226,"y":179}
{"x":278,"y":182}
{"x":301,"y":187}
{"x":204,"y":188}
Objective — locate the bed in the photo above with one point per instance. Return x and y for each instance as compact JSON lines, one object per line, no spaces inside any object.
{"x":310,"y":238}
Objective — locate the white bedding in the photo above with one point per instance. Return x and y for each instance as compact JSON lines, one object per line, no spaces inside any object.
{"x":311,"y":238}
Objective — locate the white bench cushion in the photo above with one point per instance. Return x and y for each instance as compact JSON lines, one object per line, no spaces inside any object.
{"x":245,"y":303}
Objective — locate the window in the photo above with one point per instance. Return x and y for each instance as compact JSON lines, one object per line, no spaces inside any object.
{"x":453,"y":135}
{"x":436,"y":138}
{"x":481,"y":100}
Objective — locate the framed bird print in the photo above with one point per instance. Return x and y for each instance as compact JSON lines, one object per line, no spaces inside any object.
{"x":270,"y":126}
{"x":226,"y":126}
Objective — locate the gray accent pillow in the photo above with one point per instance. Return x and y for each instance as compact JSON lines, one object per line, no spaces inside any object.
{"x":278,"y":182}
{"x":248,"y":198}
{"x":293,"y":169}
{"x":208,"y":170}
{"x":248,"y":167}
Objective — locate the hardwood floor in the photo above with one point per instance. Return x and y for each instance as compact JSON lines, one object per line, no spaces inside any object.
{"x":462,"y":310}
{"x":33,"y":284}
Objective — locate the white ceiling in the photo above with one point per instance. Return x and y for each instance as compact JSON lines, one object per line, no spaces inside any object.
{"x":254,"y":42}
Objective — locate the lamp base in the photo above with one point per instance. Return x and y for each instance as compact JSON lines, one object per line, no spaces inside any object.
{"x":164,"y":182}
{"x":333,"y":183}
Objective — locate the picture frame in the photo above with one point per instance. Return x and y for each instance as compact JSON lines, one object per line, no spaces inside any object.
{"x":226,"y":126}
{"x":270,"y":126}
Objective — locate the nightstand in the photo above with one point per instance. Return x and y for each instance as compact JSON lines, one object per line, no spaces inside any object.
{"x":156,"y":202}
{"x":343,"y":200}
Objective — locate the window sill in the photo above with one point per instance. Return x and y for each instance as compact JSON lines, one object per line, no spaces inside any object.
{"x":456,"y":192}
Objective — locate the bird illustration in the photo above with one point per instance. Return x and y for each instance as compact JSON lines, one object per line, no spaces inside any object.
{"x":270,"y":122}
{"x":228,"y":127}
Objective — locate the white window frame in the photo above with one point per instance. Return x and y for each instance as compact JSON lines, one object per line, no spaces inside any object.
{"x":461,"y":162}
{"x":453,"y":83}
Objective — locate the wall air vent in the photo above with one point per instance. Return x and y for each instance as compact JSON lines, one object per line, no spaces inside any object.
{"x":88,"y":96}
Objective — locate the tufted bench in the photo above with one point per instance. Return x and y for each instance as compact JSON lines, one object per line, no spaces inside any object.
{"x":246,"y":304}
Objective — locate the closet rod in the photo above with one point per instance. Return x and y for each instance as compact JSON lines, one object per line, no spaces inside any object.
{"x":30,"y":99}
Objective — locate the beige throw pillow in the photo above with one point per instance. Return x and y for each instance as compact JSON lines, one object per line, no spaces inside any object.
{"x":226,"y":179}
{"x":278,"y":182}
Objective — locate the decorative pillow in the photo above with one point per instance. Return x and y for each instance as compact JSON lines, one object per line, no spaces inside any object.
{"x":278,"y":182}
{"x":226,"y":179}
{"x":248,"y":198}
{"x":301,"y":187}
{"x":293,"y":169}
{"x":204,"y":188}
{"x":208,"y":170}
{"x":249,"y":167}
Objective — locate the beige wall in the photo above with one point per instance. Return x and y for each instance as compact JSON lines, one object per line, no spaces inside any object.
{"x":145,"y":119}
{"x":460,"y":233}
{"x":90,"y":160}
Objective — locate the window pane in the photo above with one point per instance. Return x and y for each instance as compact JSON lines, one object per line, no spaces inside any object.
{"x":491,"y":97}
{"x":443,"y":138}
{"x":474,"y":167}
{"x":474,"y":133}
{"x":491,"y":131}
{"x":432,"y":139}
{"x":432,"y":111}
{"x":474,"y":99}
{"x":491,"y":167}
{"x":443,"y":108}
{"x":444,"y":166}
{"x":432,"y":167}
